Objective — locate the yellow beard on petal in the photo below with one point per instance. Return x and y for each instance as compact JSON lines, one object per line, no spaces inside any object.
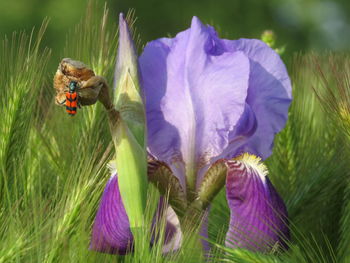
{"x":254,"y":162}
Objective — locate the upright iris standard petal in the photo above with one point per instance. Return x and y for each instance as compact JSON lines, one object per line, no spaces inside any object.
{"x":258,"y":219}
{"x":111,"y":232}
{"x":195,"y":95}
{"x":269,"y":93}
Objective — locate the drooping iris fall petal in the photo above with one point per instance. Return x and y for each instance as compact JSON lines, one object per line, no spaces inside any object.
{"x":258,"y":219}
{"x":111,"y":232}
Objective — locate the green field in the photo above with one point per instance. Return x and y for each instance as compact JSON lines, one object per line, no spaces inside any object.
{"x":53,"y":167}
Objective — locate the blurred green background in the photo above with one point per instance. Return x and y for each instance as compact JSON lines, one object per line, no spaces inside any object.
{"x":299,"y":24}
{"x":56,"y":165}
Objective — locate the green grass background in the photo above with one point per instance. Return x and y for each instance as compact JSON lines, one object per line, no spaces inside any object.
{"x":53,"y":167}
{"x":299,"y":24}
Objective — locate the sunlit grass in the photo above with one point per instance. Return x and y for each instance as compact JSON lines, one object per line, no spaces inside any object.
{"x":53,"y":167}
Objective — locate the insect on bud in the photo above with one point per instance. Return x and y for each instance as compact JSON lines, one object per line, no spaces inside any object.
{"x":88,"y":87}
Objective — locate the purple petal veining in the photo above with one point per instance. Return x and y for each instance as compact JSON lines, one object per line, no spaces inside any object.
{"x":111,"y":232}
{"x":258,"y":219}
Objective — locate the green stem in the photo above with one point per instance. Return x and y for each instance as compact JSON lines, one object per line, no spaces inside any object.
{"x":191,"y":223}
{"x":192,"y":217}
{"x":139,"y":243}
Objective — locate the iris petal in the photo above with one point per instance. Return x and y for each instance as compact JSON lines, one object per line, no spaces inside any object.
{"x":258,"y":219}
{"x":269,"y":93}
{"x":111,"y":232}
{"x":173,"y":234}
{"x":195,"y":95}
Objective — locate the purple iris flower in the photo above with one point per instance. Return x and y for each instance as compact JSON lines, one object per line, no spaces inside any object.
{"x":213,"y":108}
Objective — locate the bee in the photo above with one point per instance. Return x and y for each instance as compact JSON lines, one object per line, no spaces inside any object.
{"x":72,"y":98}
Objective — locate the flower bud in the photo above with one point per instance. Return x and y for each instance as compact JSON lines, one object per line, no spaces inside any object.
{"x":129,"y":133}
